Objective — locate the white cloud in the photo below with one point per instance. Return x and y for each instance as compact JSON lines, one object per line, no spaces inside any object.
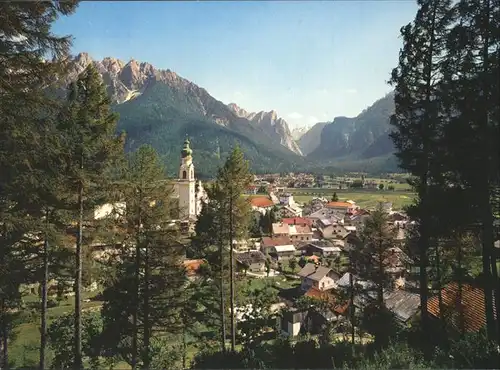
{"x":295,"y":115}
{"x":312,"y":119}
{"x":351,"y":91}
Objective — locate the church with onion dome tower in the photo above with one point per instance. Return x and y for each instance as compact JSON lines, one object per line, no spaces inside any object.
{"x":190,"y":193}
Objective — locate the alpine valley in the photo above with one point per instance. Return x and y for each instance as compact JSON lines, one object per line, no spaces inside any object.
{"x":160,"y":108}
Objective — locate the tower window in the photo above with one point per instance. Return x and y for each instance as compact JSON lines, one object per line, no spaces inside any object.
{"x":184,"y":174}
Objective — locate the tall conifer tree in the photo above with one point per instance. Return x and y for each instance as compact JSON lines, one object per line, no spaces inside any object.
{"x":26,"y":42}
{"x":417,"y":119}
{"x":91,"y":149}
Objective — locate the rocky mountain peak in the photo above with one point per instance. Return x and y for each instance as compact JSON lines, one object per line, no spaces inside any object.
{"x":83,"y":59}
{"x":271,"y":124}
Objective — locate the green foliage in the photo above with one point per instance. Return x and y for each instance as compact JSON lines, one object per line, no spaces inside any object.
{"x":145,"y":295}
{"x":61,"y":336}
{"x":164,"y":115}
{"x":258,"y":318}
{"x":356,"y":184}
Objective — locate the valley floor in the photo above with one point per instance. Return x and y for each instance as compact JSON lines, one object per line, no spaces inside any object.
{"x":364,"y":198}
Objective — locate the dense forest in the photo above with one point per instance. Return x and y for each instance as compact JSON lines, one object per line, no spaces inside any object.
{"x":62,"y":158}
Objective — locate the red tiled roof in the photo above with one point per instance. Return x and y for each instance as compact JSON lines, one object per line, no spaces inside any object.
{"x":472,"y":305}
{"x":273,"y":242}
{"x":261,"y":202}
{"x":192,"y":266}
{"x":297,"y":221}
{"x":339,"y":205}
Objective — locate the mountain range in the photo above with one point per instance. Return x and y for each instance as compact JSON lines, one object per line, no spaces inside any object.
{"x":160,"y":108}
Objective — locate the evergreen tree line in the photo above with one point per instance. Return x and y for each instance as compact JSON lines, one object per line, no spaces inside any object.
{"x":61,"y":159}
{"x":446,"y":130}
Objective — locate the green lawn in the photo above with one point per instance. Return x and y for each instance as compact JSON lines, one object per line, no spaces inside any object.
{"x":24,"y":347}
{"x":363,"y":198}
{"x":276,"y":281}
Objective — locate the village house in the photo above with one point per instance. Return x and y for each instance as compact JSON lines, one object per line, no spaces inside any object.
{"x":261,"y":204}
{"x":286,"y":199}
{"x":295,"y":232}
{"x":330,"y":230}
{"x":280,"y":229}
{"x":251,"y":190}
{"x":291,"y":211}
{"x":282,"y":252}
{"x":300,"y":233}
{"x":319,"y":277}
{"x":251,"y":261}
{"x":301,"y":221}
{"x":403,"y":304}
{"x":357,"y":218}
{"x":470,"y":298}
{"x":268,"y":243}
{"x":333,"y":215}
{"x":322,"y":248}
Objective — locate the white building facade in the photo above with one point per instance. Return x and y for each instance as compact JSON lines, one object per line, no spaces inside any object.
{"x":191,"y":194}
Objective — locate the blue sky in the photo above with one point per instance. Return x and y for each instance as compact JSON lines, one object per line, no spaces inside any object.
{"x":308,"y":60}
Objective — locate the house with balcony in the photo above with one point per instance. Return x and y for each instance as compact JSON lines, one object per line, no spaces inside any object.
{"x":319,"y":277}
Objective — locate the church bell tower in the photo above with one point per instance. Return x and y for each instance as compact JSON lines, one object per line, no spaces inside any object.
{"x":186,"y":184}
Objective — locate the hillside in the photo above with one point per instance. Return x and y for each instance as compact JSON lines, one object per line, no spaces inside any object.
{"x":311,"y":139}
{"x":160,"y":108}
{"x":358,"y":139}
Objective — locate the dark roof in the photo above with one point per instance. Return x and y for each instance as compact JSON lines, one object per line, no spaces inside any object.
{"x":321,"y":243}
{"x":315,"y":272}
{"x":403,"y":304}
{"x":248,"y":258}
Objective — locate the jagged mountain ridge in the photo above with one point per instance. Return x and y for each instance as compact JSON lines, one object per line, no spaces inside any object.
{"x":362,"y":137}
{"x":271,"y":124}
{"x":160,"y":108}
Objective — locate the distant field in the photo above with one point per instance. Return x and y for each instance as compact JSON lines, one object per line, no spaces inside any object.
{"x":366,"y":199}
{"x":386,"y":182}
{"x":363,"y":198}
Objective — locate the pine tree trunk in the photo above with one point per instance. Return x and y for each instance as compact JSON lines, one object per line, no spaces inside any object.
{"x":487,"y":243}
{"x":351,"y":304}
{"x":460,"y":288}
{"x":78,"y":285}
{"x":4,"y":336}
{"x":231,"y":273}
{"x":380,"y":287}
{"x":440,"y":293}
{"x":487,"y":214}
{"x":424,"y":239}
{"x":222,"y":306}
{"x":44,"y":283}
{"x":147,"y":323}
{"x":135,"y":313}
